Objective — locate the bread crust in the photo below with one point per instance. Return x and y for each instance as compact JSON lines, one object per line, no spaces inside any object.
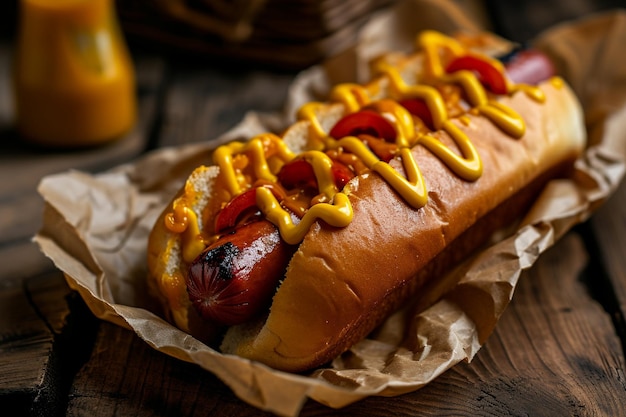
{"x":331,"y":299}
{"x":166,"y":272}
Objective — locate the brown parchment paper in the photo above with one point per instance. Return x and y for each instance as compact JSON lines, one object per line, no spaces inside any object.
{"x":95,"y":226}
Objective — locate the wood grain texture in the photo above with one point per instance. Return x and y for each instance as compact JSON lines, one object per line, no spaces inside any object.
{"x":22,"y":259}
{"x":554,"y":352}
{"x":126,"y":377}
{"x":608,"y":225}
{"x":41,"y":342}
{"x":45,"y":332}
{"x":203,"y":103}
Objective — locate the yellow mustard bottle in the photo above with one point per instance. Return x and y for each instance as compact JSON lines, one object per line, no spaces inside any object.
{"x":73,"y":78}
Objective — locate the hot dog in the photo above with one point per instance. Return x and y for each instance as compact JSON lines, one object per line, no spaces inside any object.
{"x":234,"y":278}
{"x":297,"y":246}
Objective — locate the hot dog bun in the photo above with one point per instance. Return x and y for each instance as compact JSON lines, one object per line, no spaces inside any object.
{"x":166,"y":281}
{"x":328,"y":301}
{"x":342,"y":282}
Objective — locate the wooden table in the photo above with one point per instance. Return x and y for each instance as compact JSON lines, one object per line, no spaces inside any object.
{"x":558,"y":350}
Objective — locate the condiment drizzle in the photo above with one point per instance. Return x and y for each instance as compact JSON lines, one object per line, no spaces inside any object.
{"x":334,"y":206}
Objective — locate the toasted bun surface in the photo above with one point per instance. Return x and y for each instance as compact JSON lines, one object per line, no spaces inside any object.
{"x":342,"y":282}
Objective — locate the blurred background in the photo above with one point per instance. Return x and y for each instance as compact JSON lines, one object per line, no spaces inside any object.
{"x":292,"y":34}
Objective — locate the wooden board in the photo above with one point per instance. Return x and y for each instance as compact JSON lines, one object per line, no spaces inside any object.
{"x":44,"y":328}
{"x":46,"y":333}
{"x":607,"y":231}
{"x":203,"y":103}
{"x":554,"y":352}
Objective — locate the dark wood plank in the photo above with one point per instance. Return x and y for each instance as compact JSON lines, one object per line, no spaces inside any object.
{"x":39,"y":348}
{"x":126,"y":377}
{"x":609,"y":225}
{"x":204,"y":102}
{"x":19,"y":216}
{"x":45,"y":333}
{"x":22,"y":259}
{"x":554,"y":352}
{"x":23,"y":357}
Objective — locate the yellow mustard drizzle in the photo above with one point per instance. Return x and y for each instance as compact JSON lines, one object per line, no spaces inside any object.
{"x":403,"y":120}
{"x":223,"y":156}
{"x":557,"y":82}
{"x":531,"y":91}
{"x":356,"y":146}
{"x":338,"y":214}
{"x":183,"y":220}
{"x":316,"y":131}
{"x":469,"y":166}
{"x":429,"y":94}
{"x":431,"y":42}
{"x":413,"y":188}
{"x":332,"y":205}
{"x":353,"y":96}
{"x":322,"y":165}
{"x":504,"y":117}
{"x":174,"y":288}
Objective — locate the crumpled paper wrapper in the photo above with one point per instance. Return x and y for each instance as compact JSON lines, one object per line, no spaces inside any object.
{"x":95,"y":226}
